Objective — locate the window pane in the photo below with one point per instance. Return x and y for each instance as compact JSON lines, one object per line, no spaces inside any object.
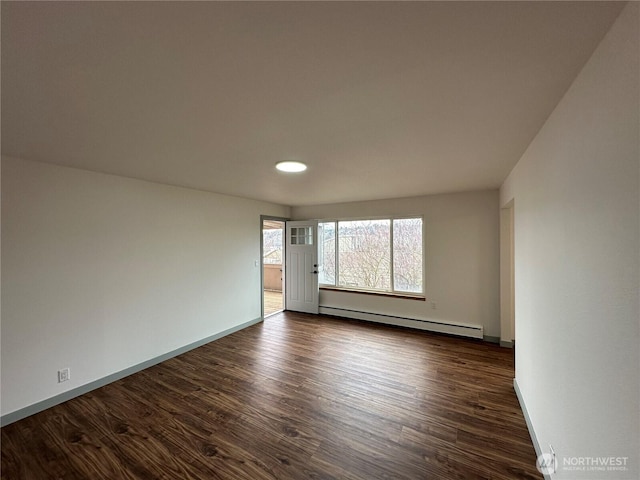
{"x":327,"y":253}
{"x":407,"y":255}
{"x":364,"y":254}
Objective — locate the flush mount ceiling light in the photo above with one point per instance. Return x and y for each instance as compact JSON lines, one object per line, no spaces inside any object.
{"x":291,"y":167}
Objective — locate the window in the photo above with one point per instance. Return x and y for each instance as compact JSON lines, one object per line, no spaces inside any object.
{"x":301,"y":236}
{"x":382,"y":255}
{"x":327,"y":253}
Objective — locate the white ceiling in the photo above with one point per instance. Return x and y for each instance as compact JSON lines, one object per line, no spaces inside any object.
{"x":380,"y":99}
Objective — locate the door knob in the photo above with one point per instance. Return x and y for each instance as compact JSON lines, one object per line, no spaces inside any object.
{"x":315,"y":271}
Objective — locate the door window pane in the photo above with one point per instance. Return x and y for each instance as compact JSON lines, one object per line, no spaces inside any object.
{"x":301,"y":236}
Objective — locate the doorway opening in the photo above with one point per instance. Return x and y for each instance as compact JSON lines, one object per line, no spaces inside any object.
{"x":273,"y":271}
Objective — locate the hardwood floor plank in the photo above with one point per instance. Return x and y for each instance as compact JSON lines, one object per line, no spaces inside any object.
{"x":298,"y":396}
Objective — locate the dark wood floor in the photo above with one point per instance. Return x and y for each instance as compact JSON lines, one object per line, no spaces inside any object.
{"x":295,"y":397}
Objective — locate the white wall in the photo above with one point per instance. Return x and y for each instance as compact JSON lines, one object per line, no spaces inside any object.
{"x":577,"y":249}
{"x":462,"y":257}
{"x":100,"y":273}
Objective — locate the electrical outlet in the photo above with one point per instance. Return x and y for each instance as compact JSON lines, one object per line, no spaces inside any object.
{"x":433,"y":305}
{"x":64,"y":375}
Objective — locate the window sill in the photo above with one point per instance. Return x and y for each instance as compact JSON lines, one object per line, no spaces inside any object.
{"x":407,"y":296}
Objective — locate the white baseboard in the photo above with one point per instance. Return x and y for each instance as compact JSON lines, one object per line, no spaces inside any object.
{"x":452,"y":328}
{"x":532,"y":433}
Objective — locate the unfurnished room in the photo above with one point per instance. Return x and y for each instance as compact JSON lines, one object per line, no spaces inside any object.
{"x":328,"y":240}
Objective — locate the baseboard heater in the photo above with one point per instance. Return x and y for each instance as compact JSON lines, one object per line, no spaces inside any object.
{"x":452,"y":328}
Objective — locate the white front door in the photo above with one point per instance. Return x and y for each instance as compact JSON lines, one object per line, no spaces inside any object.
{"x":301,"y":275}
